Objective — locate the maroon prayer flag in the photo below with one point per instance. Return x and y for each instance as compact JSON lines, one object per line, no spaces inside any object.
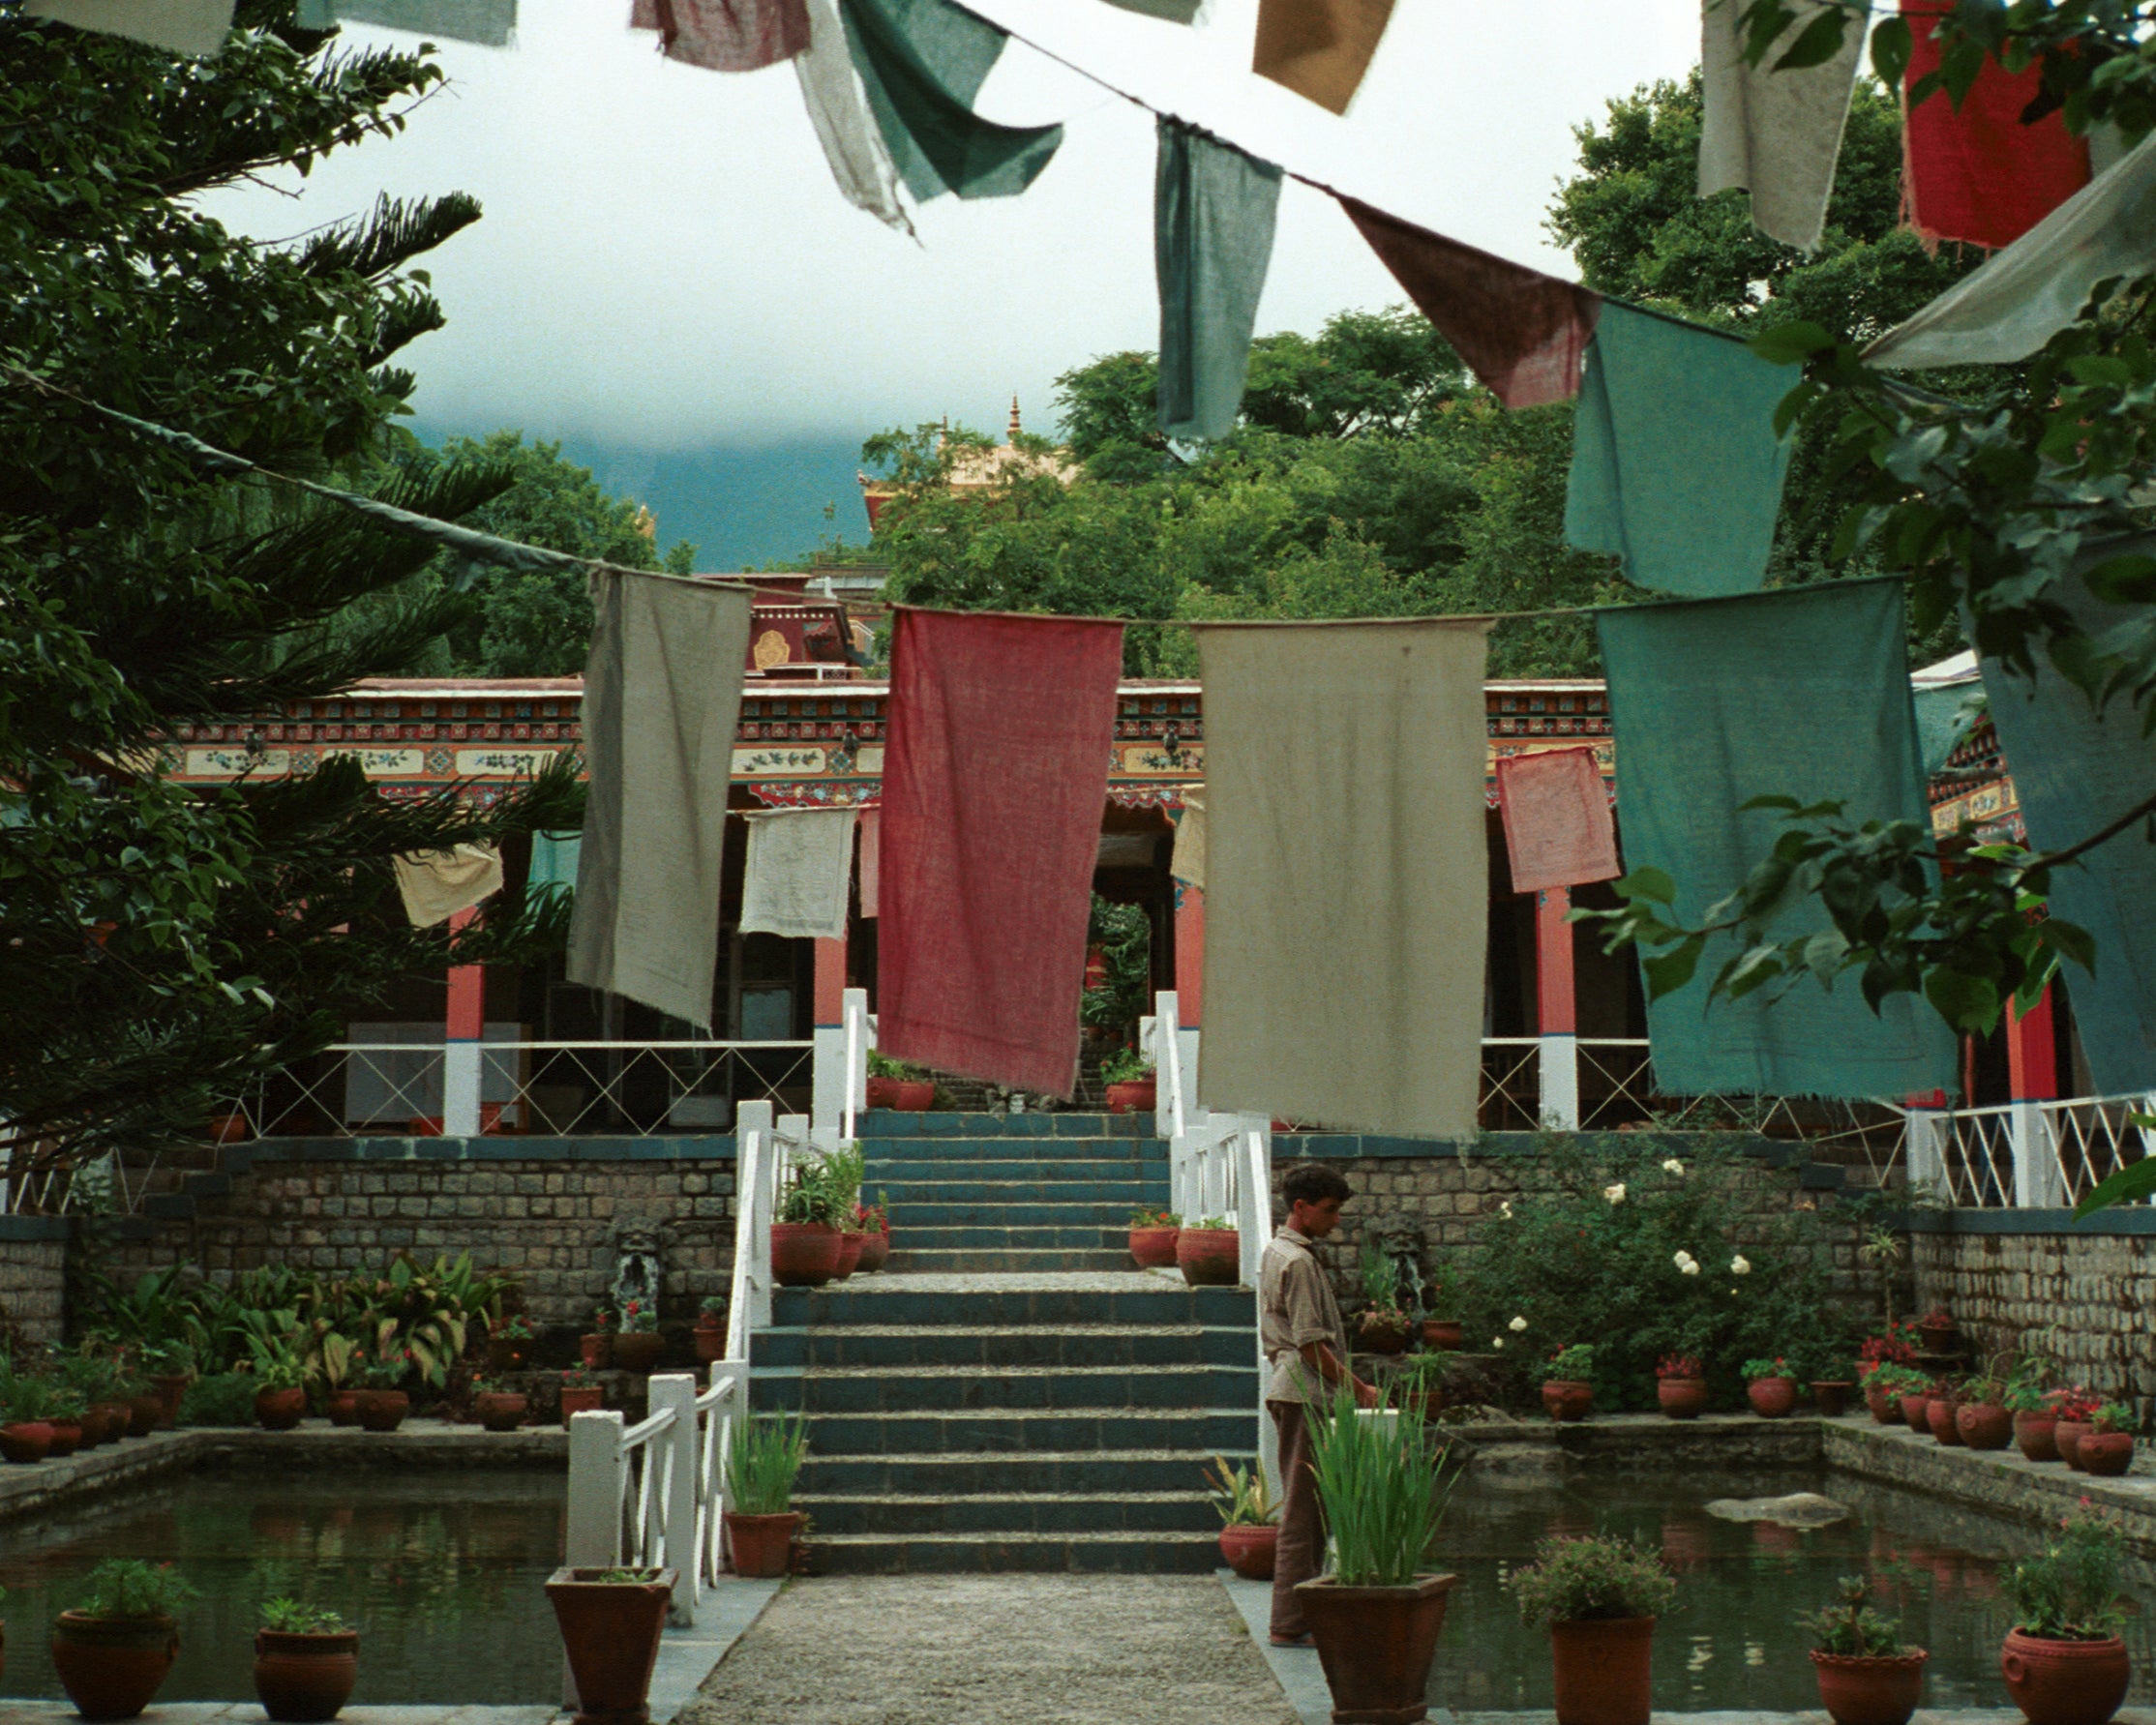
{"x":870,"y":873}
{"x":725,"y":35}
{"x":1557,"y":825}
{"x":995,"y":774}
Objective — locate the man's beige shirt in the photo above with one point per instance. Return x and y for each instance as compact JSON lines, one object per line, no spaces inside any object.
{"x":1296,"y":1307}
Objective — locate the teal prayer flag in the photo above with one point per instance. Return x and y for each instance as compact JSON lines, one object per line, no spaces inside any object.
{"x":1213,"y":211}
{"x":1676,"y":467}
{"x":554,"y":861}
{"x":922,"y":62}
{"x":1803,"y":692}
{"x":1944,"y":716}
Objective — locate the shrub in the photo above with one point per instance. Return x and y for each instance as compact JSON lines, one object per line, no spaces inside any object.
{"x":1852,"y":1629}
{"x":1573,"y":1580}
{"x":761,"y":1462}
{"x":129,"y":1588}
{"x":288,"y":1617}
{"x":1126,"y":1066}
{"x":1383,"y":1492}
{"x":225,"y":1398}
{"x":2069,"y":1591}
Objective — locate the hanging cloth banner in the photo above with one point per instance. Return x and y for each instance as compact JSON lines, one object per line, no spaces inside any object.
{"x":662,"y":692}
{"x":197,"y":28}
{"x":2027,"y":293}
{"x":837,"y":103}
{"x":872,"y":860}
{"x":436,"y":884}
{"x":1171,"y":12}
{"x":1804,"y":693}
{"x":2074,"y":772}
{"x":490,"y":24}
{"x":1213,"y":211}
{"x":554,"y":862}
{"x":1319,"y":49}
{"x":725,"y":35}
{"x":995,"y":774}
{"x":922,"y":62}
{"x":1978,"y":173}
{"x":800,"y":864}
{"x":1187,"y":862}
{"x":1776,"y":134}
{"x":1676,"y":467}
{"x":1522,"y":332}
{"x":1557,"y":825}
{"x":1343,"y":955}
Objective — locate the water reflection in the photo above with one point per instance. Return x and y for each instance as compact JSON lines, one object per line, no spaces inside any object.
{"x":1732,"y":1639}
{"x":439,"y":1570}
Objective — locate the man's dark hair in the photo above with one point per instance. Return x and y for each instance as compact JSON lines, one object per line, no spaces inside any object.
{"x":1312,"y":1182}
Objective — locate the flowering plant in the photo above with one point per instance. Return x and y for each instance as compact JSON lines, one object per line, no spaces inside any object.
{"x":2072,"y":1592}
{"x":1572,"y":1364}
{"x":578,"y":1377}
{"x":1896,"y":1381}
{"x":1678,"y":1365}
{"x":1898,"y":1346}
{"x":639,"y":1316}
{"x":2113,"y":1416}
{"x":1776,"y":1367}
{"x":602,"y":1318}
{"x":2073,"y":1404}
{"x":1937,"y":1317}
{"x":387,"y":1370}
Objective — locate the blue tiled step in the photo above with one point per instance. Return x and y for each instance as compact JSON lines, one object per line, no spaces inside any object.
{"x":987,"y":1516}
{"x":880,"y":1122}
{"x":1126,"y":1192}
{"x":918,"y":1236}
{"x":906,"y":1152}
{"x":960,"y":1214}
{"x":892,"y":1303}
{"x":953,"y":1172}
{"x":936,"y":1390}
{"x":1070,"y":1473}
{"x":991,"y":1348}
{"x":1014,"y":1431}
{"x":990,"y":1258}
{"x":1128,"y":1554}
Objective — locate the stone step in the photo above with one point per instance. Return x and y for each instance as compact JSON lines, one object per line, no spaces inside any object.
{"x":1134,"y":1298}
{"x":988,"y":1258}
{"x":904,"y":1151}
{"x":998,"y":1515}
{"x":960,"y":1214}
{"x":1000,"y":1170}
{"x":1093,"y":1236}
{"x":1152,"y":1554}
{"x":962,"y":1190}
{"x":1063,"y":1473}
{"x":953,"y":1389}
{"x":883,"y":1123}
{"x":987,"y":1347}
{"x":1017,"y":1431}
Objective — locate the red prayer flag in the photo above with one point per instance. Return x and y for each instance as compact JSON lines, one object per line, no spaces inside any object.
{"x":995,"y":774}
{"x":725,"y":35}
{"x":1978,"y":173}
{"x":1522,"y":333}
{"x":1557,"y":825}
{"x":872,"y":852}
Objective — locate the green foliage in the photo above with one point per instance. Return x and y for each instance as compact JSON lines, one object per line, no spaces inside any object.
{"x":129,"y":1588}
{"x":761,"y":1462}
{"x":2071,"y":1591}
{"x":223,"y":1398}
{"x":810,"y":1196}
{"x":1576,"y":1580}
{"x":1766,"y":1366}
{"x":639,"y":1316}
{"x":1124,"y":932}
{"x":1155,"y":1219}
{"x":1575,"y":1363}
{"x":1383,"y":1491}
{"x":1852,"y":1629}
{"x":1126,"y":1065}
{"x":290,"y":1616}
{"x":1239,"y":1493}
{"x":844,"y":1168}
{"x":881,"y":1065}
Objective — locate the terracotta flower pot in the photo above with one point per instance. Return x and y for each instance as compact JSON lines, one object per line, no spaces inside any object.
{"x":611,"y":1632}
{"x":803,"y":1255}
{"x":1153,"y":1248}
{"x":92,"y":1427}
{"x":709,"y":1337}
{"x":280,"y":1410}
{"x":578,"y":1399}
{"x":171,"y":1391}
{"x":500,"y":1410}
{"x":2106,"y":1455}
{"x":596,"y":1350}
{"x":342,"y":1406}
{"x":1885,"y":1405}
{"x":383,"y":1410}
{"x":637,"y":1350}
{"x":1209,"y":1257}
{"x":119,"y":1420}
{"x":1772,"y":1398}
{"x":1831,"y":1396}
{"x":1984,"y":1425}
{"x":1133,"y":1096}
{"x":880,"y":1092}
{"x":908,"y":1095}
{"x":144,"y":1412}
{"x":1878,"y":1691}
{"x":229,"y":1129}
{"x":2035,"y":1434}
{"x":1248,"y":1548}
{"x":26,"y":1441}
{"x":67,"y":1438}
{"x":1916,"y":1410}
{"x":1447,"y":1333}
{"x":1568,"y":1399}
{"x":1937,"y":1338}
{"x":851,"y":1240}
{"x":1383,"y":1336}
{"x":1605,"y":1670}
{"x":1939,"y":1414}
{"x":1376,"y":1644}
{"x":2065,"y":1682}
{"x":305,"y":1679}
{"x":2068,"y":1434}
{"x":1682,"y":1398}
{"x":761,"y":1543}
{"x":111,"y":1667}
{"x":876,"y":1250}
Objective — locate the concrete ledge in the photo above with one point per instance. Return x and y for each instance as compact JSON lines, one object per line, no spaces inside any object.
{"x":1625,"y":1443}
{"x":505,"y":1148}
{"x":2119,"y":1219}
{"x":1331,"y":1146}
{"x":33,"y":1228}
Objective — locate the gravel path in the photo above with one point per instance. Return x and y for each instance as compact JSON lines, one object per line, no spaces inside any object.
{"x":992,"y":1649}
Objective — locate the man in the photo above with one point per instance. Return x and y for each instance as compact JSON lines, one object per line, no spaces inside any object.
{"x":1306,"y":1356}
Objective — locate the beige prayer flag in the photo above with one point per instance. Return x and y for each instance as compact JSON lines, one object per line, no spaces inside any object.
{"x":436,"y":884}
{"x":1319,"y":49}
{"x":800,"y":864}
{"x":661,"y":690}
{"x":1189,"y":863}
{"x":872,"y":859}
{"x":1778,"y":134}
{"x":193,"y":27}
{"x":1346,"y":908}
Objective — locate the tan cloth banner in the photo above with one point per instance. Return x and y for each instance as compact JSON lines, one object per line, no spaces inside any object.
{"x":1319,"y":49}
{"x":800,"y":862}
{"x":1189,"y":862}
{"x":661,"y":690}
{"x":193,"y":27}
{"x":1346,"y":908}
{"x":436,"y":884}
{"x":872,"y":860}
{"x":1776,"y":133}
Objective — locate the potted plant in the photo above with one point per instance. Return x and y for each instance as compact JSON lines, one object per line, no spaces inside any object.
{"x":1770,"y":1387}
{"x":1982,"y":1419}
{"x":1885,"y":1385}
{"x":1567,"y":1392}
{"x":1916,"y":1404}
{"x":1681,"y":1386}
{"x":2107,"y":1448}
{"x":611,"y":1621}
{"x":806,"y":1241}
{"x":383,"y":1400}
{"x":1940,"y":1414}
{"x":875,"y":1223}
{"x":893,"y":1083}
{"x":580,"y":1395}
{"x":170,"y":1366}
{"x":114,"y":1648}
{"x":637,"y":1344}
{"x":2074,"y":1407}
{"x":145,"y":1408}
{"x":509,"y":1345}
{"x":595,"y":1347}
{"x":1936,"y":1330}
{"x":761,"y":1466}
{"x":1383,"y":1326}
{"x":1601,"y":1598}
{"x":1248,"y":1531}
{"x":1382,"y":1329}
{"x":1831,"y":1389}
{"x":1418,"y":1387}
{"x":306,"y":1662}
{"x":2035,"y":1417}
{"x":1153,"y":1237}
{"x":1129,"y":1078}
{"x":64,"y":1415}
{"x":709,"y":1334}
{"x":1210,"y":1253}
{"x":26,"y":1437}
{"x":1867,"y":1676}
{"x":1376,"y":1612}
{"x":281,"y":1403}
{"x":498,"y":1406}
{"x":2063,"y":1660}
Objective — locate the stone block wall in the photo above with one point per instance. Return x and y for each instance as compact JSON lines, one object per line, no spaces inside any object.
{"x":33,"y":1276}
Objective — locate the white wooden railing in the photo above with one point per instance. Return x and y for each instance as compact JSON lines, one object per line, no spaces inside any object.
{"x":2024,"y":1155}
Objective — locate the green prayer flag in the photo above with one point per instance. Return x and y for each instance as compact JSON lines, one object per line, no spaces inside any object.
{"x":1213,"y":211}
{"x":922,"y":62}
{"x":554,"y":861}
{"x":1944,"y":716}
{"x":1676,"y":467}
{"x":1803,"y":692}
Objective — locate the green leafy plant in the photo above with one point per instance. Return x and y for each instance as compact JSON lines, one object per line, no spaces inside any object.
{"x":129,"y":1588}
{"x":2114,"y":1416}
{"x":224,"y":1398}
{"x":882,"y":1065}
{"x":1239,"y":1493}
{"x":1126,"y":1066}
{"x":844,"y":1168}
{"x":1574,"y":1364}
{"x":1213,"y":1225}
{"x":639,"y":1316}
{"x":712,"y":1305}
{"x":513,"y":1328}
{"x":578,"y":1377}
{"x":1851,"y":1628}
{"x":290,"y":1616}
{"x":28,"y":1397}
{"x":1574,"y":1580}
{"x":277,"y":1365}
{"x":624,"y":1578}
{"x":1897,"y":1381}
{"x":2071,"y":1591}
{"x":808,"y":1197}
{"x":1768,"y":1366}
{"x":1155,"y":1219}
{"x":1383,"y":1491}
{"x":1124,"y":932}
{"x":762,"y":1463}
{"x":1381,"y":1277}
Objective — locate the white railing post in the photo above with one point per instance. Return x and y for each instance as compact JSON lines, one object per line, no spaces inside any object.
{"x":2037,"y":1185}
{"x":1254,"y":1220}
{"x":749,"y":1303}
{"x":1171,"y":1110}
{"x":676,"y":1390}
{"x":1925,"y":1133}
{"x":1557,"y":1076}
{"x":598,"y":1480}
{"x":726,"y":1401}
{"x":859,"y":1039}
{"x":462,"y":1062}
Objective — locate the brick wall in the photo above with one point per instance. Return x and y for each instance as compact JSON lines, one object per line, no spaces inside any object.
{"x":33,"y":1275}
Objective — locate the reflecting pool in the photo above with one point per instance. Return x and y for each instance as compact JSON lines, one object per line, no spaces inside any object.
{"x":439,"y":1570}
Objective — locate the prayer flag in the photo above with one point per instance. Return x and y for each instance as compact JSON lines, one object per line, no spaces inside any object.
{"x":193,"y":27}
{"x":1804,"y":693}
{"x":1522,"y":332}
{"x":725,"y":35}
{"x":1343,"y":955}
{"x":1212,"y":210}
{"x":554,"y":862}
{"x":662,"y":692}
{"x":1980,"y":173}
{"x":1557,"y":825}
{"x":490,"y":24}
{"x":800,"y":864}
{"x":995,"y":775}
{"x":436,"y":884}
{"x":872,"y":858}
{"x":837,"y":103}
{"x":922,"y":62}
{"x":1319,"y":49}
{"x":1676,"y":467}
{"x":1172,"y":12}
{"x":1776,"y":134}
{"x":1187,"y":861}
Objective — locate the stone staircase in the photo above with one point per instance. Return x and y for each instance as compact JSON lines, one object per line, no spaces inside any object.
{"x":1010,"y":1393}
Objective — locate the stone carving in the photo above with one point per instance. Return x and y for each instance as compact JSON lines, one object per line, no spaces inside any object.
{"x":636,"y":1269}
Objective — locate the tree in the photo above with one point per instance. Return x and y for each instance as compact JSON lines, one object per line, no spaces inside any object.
{"x":166,"y":943}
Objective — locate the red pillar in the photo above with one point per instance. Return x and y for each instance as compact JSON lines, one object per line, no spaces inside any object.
{"x":467,"y":993}
{"x":1190,"y":955}
{"x":830,"y":983}
{"x":2032,"y":1051}
{"x":1556,"y":1012}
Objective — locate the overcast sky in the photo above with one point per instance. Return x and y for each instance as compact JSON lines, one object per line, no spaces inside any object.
{"x":665,"y":267}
